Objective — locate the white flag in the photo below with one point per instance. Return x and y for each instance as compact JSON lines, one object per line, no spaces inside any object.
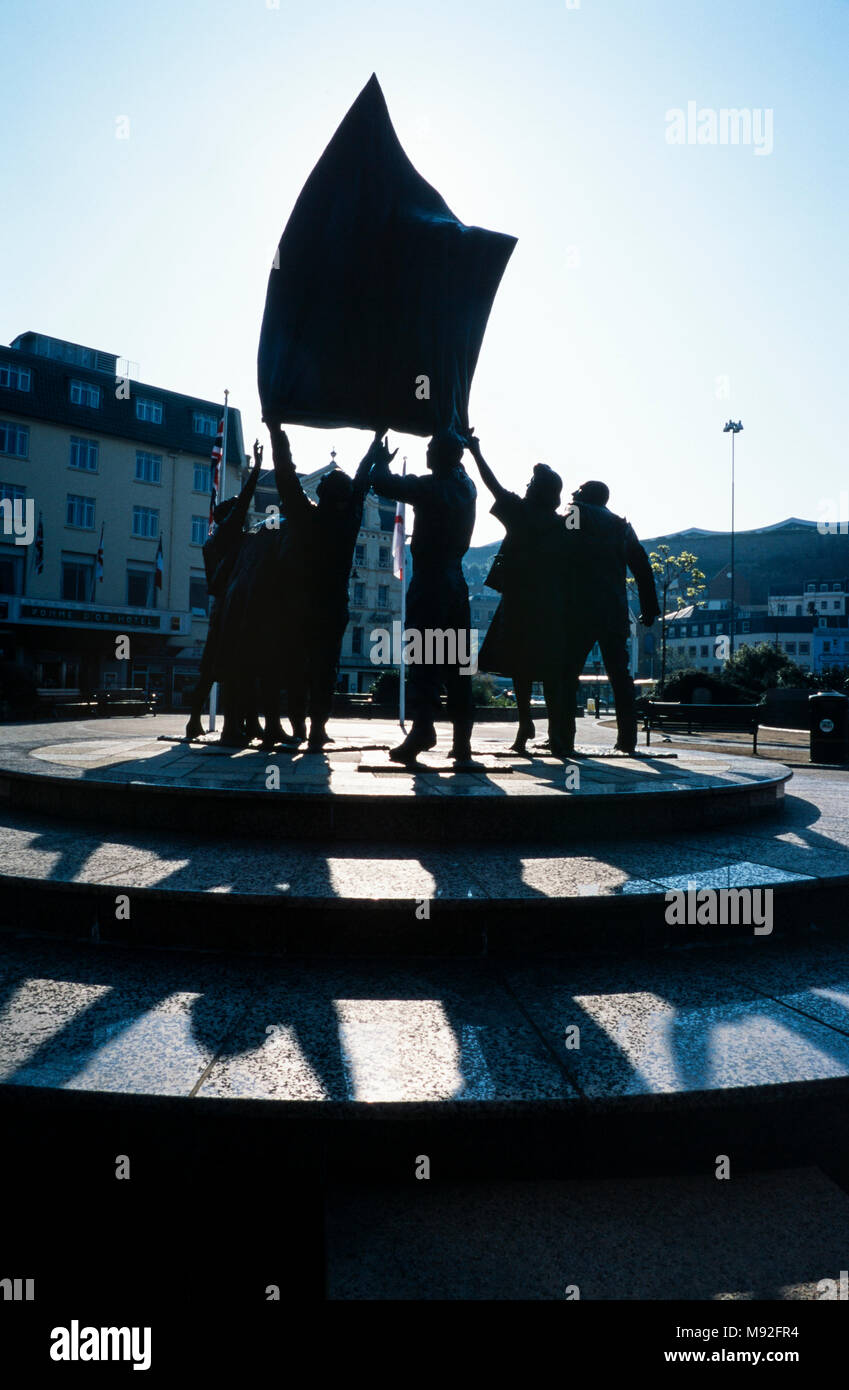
{"x":398,"y":536}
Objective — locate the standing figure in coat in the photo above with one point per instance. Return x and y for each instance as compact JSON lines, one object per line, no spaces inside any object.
{"x":438,"y":597}
{"x":320,"y":547}
{"x":220,"y":552}
{"x":531,"y":571}
{"x":607,"y":547}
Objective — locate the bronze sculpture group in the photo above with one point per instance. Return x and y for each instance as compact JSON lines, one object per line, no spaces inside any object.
{"x":280,"y":598}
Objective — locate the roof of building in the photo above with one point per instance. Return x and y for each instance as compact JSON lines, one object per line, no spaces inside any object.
{"x":790,"y":523}
{"x":49,"y":399}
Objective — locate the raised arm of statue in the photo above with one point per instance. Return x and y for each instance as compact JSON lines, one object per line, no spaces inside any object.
{"x":488,"y":478}
{"x":375,"y":451}
{"x":292,"y":496}
{"x":393,"y":485}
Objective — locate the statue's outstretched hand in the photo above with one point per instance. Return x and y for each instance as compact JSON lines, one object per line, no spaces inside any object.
{"x":379,"y":452}
{"x":473,"y":444}
{"x":279,"y":442}
{"x":258,"y":451}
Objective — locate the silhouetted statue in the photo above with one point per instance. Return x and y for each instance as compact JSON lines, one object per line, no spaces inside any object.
{"x":606,"y":546}
{"x":438,"y":597}
{"x":251,"y":646}
{"x":530,"y":571}
{"x":220,"y":554}
{"x":320,"y":547}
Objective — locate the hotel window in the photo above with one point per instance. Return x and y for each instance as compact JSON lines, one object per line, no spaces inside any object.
{"x":79,"y":511}
{"x":85,"y":393}
{"x":14,"y":439}
{"x":202,"y":477}
{"x":11,"y":570}
{"x":84,"y":454}
{"x":383,"y":558}
{"x":139,"y":586}
{"x":804,"y":648}
{"x":836,"y":605}
{"x":383,"y":595}
{"x":691,"y":651}
{"x":810,"y":588}
{"x":359,"y":554}
{"x":146,"y":522}
{"x":14,"y":378}
{"x":148,"y":467}
{"x":790,"y":648}
{"x":12,"y":492}
{"x":823,"y":588}
{"x":836,"y":588}
{"x":359,"y":594}
{"x":387,"y":518}
{"x":77,"y":577}
{"x":151,"y":411}
{"x":200,"y":529}
{"x":204,"y":424}
{"x":703,"y":651}
{"x":198,"y":596}
{"x":357,"y":641}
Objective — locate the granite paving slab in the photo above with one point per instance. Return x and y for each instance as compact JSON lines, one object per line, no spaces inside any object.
{"x":631,"y":1031}
{"x":166,"y":1023}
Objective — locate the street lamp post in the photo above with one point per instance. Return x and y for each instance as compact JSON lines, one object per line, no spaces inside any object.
{"x":732,"y":427}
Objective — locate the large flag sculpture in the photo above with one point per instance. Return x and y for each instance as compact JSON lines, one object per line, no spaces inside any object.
{"x":378,"y":297}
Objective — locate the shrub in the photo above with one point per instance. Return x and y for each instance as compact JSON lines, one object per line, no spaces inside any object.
{"x":387,"y":688}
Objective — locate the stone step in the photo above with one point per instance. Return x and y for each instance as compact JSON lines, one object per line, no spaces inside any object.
{"x":206,"y":889}
{"x":636,"y":1239}
{"x":528,"y":1069}
{"x":354,"y":792}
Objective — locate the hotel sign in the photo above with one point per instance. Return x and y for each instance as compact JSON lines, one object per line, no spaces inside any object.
{"x":79,"y":617}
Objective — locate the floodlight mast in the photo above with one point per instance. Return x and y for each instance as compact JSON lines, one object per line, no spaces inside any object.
{"x":732,"y":427}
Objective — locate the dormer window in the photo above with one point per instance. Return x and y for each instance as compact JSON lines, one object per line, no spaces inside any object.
{"x":85,"y":393}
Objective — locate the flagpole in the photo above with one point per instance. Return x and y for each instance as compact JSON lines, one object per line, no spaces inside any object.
{"x":213,"y":694}
{"x":402,"y":686}
{"x":223,"y":450}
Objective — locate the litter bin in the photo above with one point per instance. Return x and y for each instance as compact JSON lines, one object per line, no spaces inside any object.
{"x":828,"y":715}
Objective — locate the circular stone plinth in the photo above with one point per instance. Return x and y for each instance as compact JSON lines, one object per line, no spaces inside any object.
{"x":114,"y":771}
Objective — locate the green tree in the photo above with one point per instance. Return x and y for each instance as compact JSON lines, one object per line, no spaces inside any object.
{"x":762,"y":667}
{"x":484,"y":690}
{"x":677,"y":575}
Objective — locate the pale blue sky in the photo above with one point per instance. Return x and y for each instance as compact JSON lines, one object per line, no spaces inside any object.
{"x":694,"y":263}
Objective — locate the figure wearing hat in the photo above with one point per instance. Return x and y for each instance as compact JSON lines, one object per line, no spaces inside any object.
{"x":532,"y":571}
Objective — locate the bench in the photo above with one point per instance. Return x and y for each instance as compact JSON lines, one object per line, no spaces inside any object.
{"x":63,"y":703}
{"x":662,"y":714}
{"x":124,"y":700}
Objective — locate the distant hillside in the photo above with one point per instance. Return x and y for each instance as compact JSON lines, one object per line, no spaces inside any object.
{"x":778,"y":558}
